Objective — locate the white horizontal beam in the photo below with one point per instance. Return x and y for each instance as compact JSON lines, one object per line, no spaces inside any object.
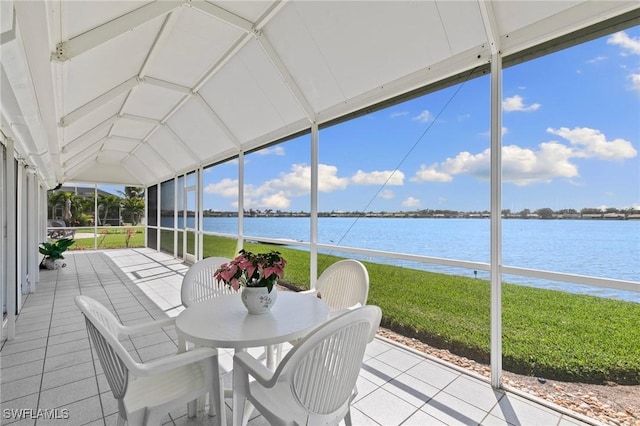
{"x":77,"y":45}
{"x":89,"y":135}
{"x":140,"y":119}
{"x":99,"y":102}
{"x":167,"y":85}
{"x":222,"y":15}
{"x":286,"y":75}
{"x":124,"y":139}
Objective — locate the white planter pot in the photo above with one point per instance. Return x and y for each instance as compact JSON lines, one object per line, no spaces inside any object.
{"x":258,"y":300}
{"x":54,"y":264}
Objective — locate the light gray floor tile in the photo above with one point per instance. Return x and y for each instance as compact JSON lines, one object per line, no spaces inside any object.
{"x":397,"y":358}
{"x":453,"y":411}
{"x":76,"y":413}
{"x":21,"y":371}
{"x":434,"y":374}
{"x":475,"y":392}
{"x":414,"y":391}
{"x":68,"y":394}
{"x":385,"y":408}
{"x":519,"y":411}
{"x":67,"y":375}
{"x":20,"y":388}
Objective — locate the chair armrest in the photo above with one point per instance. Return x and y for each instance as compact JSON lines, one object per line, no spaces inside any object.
{"x":256,"y":369}
{"x":151,"y":325}
{"x":175,"y":361}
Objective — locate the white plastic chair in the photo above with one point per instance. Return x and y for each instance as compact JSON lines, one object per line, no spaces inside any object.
{"x":343,"y":285}
{"x":199,"y":284}
{"x":315,"y":383}
{"x":146,"y":392}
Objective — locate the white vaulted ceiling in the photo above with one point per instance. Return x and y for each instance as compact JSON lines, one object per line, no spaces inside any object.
{"x":134,"y":92}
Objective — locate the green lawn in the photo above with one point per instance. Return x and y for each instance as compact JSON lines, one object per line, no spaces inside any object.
{"x":110,"y":238}
{"x":546,"y":333}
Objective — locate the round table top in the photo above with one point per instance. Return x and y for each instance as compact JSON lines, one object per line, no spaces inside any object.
{"x":223,"y":322}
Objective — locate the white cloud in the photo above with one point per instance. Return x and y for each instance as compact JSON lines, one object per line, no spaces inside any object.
{"x":277,"y":201}
{"x":590,"y":143}
{"x":431,"y":174}
{"x":275,"y":150}
{"x":635,"y":82}
{"x":516,"y":103}
{"x":596,"y":59}
{"x":525,"y":166}
{"x":227,"y":188}
{"x":387,"y":177}
{"x":387,"y":194}
{"x":411,"y":202}
{"x":628,"y":44}
{"x":424,"y":117}
{"x":398,"y":114}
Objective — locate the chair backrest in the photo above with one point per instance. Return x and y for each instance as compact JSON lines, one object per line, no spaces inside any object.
{"x":104,"y":330}
{"x":199,"y":284}
{"x":344,"y":284}
{"x":322,"y":370}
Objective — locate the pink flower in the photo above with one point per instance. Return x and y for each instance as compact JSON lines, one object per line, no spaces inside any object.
{"x":259,"y":270}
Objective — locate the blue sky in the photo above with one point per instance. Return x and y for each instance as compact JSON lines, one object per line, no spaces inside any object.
{"x":571,"y":139}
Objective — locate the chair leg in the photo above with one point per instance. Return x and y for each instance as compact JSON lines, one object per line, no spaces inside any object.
{"x":347,"y":418}
{"x":192,"y":408}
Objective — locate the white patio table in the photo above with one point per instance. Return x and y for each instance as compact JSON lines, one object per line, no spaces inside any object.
{"x":223,"y":322}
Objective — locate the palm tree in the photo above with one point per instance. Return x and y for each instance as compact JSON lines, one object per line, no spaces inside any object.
{"x":132,"y":204}
{"x":132,"y":208}
{"x":54,"y":199}
{"x":107,"y":202}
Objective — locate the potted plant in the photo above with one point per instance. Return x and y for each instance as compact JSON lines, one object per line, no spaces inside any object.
{"x":52,"y":252}
{"x":257,"y":275}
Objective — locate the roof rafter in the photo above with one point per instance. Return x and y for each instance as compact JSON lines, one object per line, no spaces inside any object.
{"x":98,"y":102}
{"x":222,"y":14}
{"x":218,"y":120}
{"x":88,"y":40}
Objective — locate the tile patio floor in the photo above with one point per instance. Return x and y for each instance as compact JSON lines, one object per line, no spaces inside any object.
{"x":50,"y":364}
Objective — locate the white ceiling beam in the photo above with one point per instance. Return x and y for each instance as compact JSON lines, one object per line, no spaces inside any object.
{"x":88,"y":40}
{"x":99,"y":101}
{"x":273,"y":56}
{"x":218,"y":121}
{"x":140,"y":119}
{"x":89,"y":134}
{"x":226,"y":57}
{"x":160,"y":38}
{"x":490,"y":25}
{"x":222,"y":15}
{"x":81,"y":156}
{"x":178,"y":139}
{"x":167,"y":85}
{"x":123,"y":139}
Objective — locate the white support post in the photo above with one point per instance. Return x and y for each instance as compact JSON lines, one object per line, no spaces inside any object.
{"x":200,"y":213}
{"x":496,"y":221}
{"x":32,"y":231}
{"x":12,"y":282}
{"x":240,"y":201}
{"x":313,"y":261}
